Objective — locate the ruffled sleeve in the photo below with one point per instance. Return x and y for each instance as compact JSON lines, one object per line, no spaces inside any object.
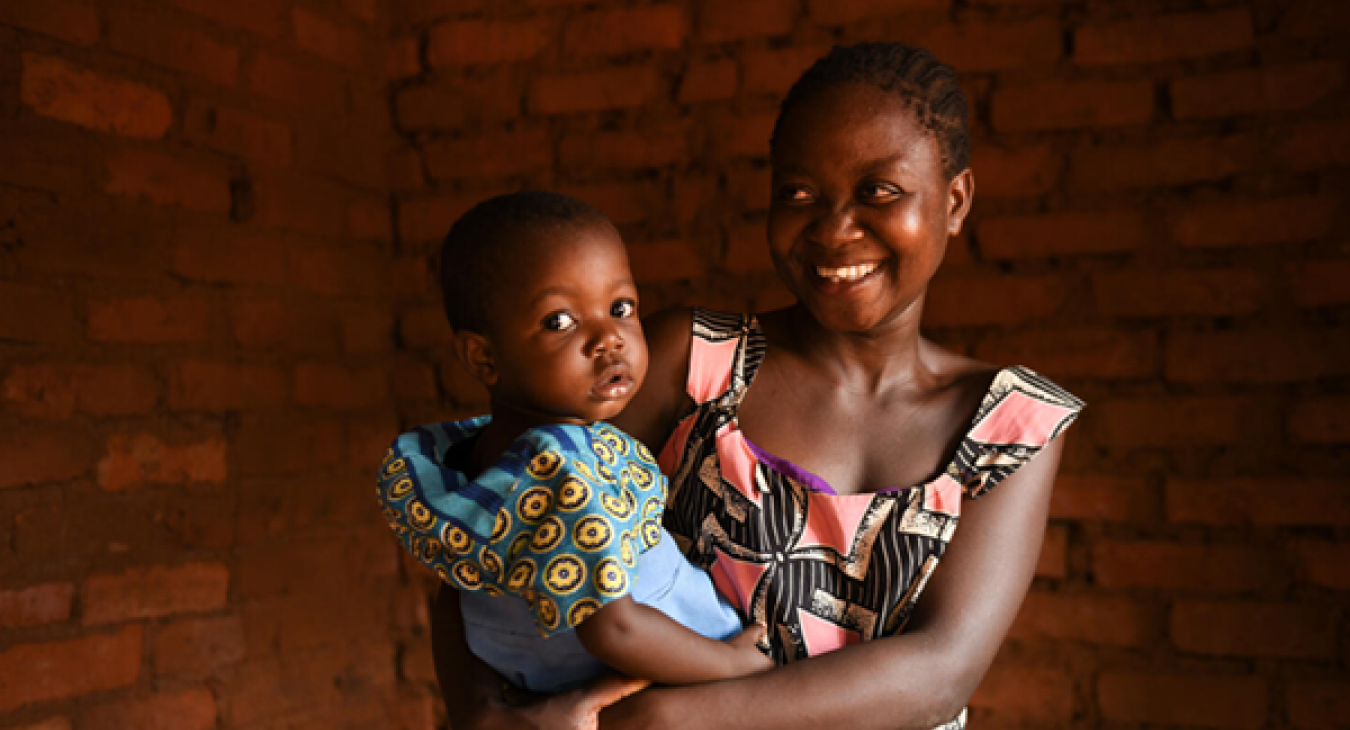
{"x":1021,"y":413}
{"x":578,"y":504}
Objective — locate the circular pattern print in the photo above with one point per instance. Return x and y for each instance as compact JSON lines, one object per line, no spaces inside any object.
{"x":455,"y":539}
{"x":522,"y":575}
{"x":544,"y":464}
{"x":610,"y":578}
{"x":617,"y":506}
{"x":419,"y":515}
{"x":592,"y":533}
{"x":533,"y":504}
{"x":547,"y":611}
{"x":573,"y":494}
{"x":582,"y":610}
{"x":500,"y":525}
{"x":547,"y":535}
{"x":627,"y":551}
{"x":564,"y":574}
{"x":401,"y":488}
{"x":467,"y":575}
{"x":651,"y":534}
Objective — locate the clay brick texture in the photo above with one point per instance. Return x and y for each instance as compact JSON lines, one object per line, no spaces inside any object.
{"x":218,"y":233}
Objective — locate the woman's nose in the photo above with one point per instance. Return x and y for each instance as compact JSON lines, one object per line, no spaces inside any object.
{"x":837,"y":226}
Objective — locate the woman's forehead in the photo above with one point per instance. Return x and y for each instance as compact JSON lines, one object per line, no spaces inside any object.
{"x":858,"y":123}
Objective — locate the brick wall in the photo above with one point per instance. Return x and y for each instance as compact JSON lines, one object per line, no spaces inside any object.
{"x":216,"y":225}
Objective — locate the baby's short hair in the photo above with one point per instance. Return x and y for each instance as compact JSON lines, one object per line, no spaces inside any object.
{"x":485,"y":242}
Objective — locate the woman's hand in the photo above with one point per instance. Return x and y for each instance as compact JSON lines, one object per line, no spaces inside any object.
{"x":577,"y":709}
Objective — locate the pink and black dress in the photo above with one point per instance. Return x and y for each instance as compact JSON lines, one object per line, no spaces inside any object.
{"x":824,"y":570}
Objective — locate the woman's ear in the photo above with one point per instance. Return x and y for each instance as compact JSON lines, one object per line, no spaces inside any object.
{"x":960,"y":194}
{"x":474,"y":352}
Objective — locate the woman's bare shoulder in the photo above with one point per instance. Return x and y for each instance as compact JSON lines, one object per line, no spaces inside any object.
{"x":969,"y":376}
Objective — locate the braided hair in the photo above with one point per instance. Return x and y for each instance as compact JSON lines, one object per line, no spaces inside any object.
{"x":926,"y":84}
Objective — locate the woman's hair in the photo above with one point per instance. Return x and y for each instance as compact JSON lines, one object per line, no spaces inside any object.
{"x":926,"y":84}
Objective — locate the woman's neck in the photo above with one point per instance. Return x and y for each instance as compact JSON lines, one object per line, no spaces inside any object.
{"x":888,"y":355}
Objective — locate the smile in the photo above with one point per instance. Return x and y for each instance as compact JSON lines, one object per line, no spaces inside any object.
{"x":845,"y":273}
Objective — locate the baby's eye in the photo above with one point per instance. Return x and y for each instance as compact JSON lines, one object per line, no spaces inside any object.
{"x":623,"y":308}
{"x":559,"y":321}
{"x":794,"y":194}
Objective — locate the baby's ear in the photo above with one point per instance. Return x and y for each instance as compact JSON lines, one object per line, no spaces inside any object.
{"x":474,"y":352}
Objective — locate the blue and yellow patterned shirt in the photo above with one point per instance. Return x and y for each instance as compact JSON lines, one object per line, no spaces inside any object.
{"x":559,"y":519}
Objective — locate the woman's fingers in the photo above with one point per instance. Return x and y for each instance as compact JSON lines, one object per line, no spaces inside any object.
{"x":611,"y":688}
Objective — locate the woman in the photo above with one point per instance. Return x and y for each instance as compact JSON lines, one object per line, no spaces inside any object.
{"x":820,"y":455}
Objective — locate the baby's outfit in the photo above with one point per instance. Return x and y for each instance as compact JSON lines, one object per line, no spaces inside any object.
{"x":566,"y":520}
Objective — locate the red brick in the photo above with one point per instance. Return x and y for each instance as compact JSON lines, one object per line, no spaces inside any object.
{"x":963,"y":301}
{"x":1092,"y":619}
{"x":154,"y":38}
{"x":73,"y":22}
{"x":845,"y":12}
{"x":258,"y":140}
{"x":1106,"y":498}
{"x":421,"y":11}
{"x":132,"y":462}
{"x":368,"y":332}
{"x":1321,"y":421}
{"x":403,"y":58}
{"x":198,"y":647}
{"x":461,"y":102}
{"x":331,"y":40}
{"x":1060,"y":353}
{"x":51,"y":723}
{"x":152,"y":592}
{"x":48,"y":603}
{"x":622,"y":202}
{"x":1266,"y":356}
{"x":303,"y":204}
{"x":1314,"y":19}
{"x":1173,"y":293}
{"x":416,"y":664}
{"x":333,"y":386}
{"x":745,"y":136}
{"x":1204,"y":701}
{"x":1283,"y":630}
{"x":1164,"y":164}
{"x":1028,"y":693}
{"x":623,"y":30}
{"x":1017,"y":172}
{"x":773,"y":72}
{"x":306,"y":87}
{"x":1164,"y":38}
{"x":412,"y":380}
{"x":216,"y":385}
{"x":747,"y":250}
{"x":976,"y":47}
{"x":1248,"y":501}
{"x":31,"y":673}
{"x":471,"y":42}
{"x":30,"y":314}
{"x":229,"y":255}
{"x":343,"y":151}
{"x":168,"y":180}
{"x":38,"y":456}
{"x":286,"y":444}
{"x":710,"y":81}
{"x":669,"y":260}
{"x":721,"y":22}
{"x":626,"y":150}
{"x":498,"y":154}
{"x":1315,"y":147}
{"x":1073,"y":104}
{"x":1268,"y":90}
{"x":1212,"y":568}
{"x":424,"y":328}
{"x":369,"y":218}
{"x":192,"y":709}
{"x":338,"y":272}
{"x":1038,"y":236}
{"x":1184,"y":422}
{"x":404,"y":170}
{"x":1322,"y":562}
{"x":61,"y":90}
{"x":1255,"y":222}
{"x":57,"y":390}
{"x":1318,"y":704}
{"x":1054,"y":559}
{"x":274,"y":325}
{"x":148,"y":319}
{"x":367,"y":10}
{"x":259,"y":17}
{"x":748,"y":188}
{"x":611,"y":88}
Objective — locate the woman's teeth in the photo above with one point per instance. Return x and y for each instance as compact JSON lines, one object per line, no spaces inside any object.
{"x":845,"y":273}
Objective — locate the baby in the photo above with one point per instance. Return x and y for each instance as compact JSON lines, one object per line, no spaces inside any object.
{"x":547,"y":519}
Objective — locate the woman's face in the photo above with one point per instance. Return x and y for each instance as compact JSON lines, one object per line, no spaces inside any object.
{"x":861,"y":209}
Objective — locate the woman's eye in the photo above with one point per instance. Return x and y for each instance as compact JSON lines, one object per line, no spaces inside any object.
{"x":623,"y":308}
{"x":794,"y":194}
{"x":875,"y":191}
{"x":559,"y":321}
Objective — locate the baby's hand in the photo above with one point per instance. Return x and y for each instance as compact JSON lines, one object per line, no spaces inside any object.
{"x":747,"y":656}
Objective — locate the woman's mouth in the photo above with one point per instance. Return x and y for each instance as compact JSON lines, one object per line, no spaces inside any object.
{"x":845,"y":274}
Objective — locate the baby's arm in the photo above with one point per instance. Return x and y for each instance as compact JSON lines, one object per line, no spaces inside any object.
{"x":643,"y":642}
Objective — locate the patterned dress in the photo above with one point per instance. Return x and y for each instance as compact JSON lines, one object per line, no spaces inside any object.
{"x":825,"y":570}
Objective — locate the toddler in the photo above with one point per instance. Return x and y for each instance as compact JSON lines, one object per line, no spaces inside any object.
{"x":547,"y":519}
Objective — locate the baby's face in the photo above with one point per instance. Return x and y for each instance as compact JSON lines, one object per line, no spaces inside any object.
{"x":566,"y":339}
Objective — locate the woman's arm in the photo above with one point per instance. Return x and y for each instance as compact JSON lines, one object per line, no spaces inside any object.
{"x":918,"y":679}
{"x":473,"y":691}
{"x":642,"y":642}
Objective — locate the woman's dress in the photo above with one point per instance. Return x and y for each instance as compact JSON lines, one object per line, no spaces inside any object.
{"x":824,"y":570}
